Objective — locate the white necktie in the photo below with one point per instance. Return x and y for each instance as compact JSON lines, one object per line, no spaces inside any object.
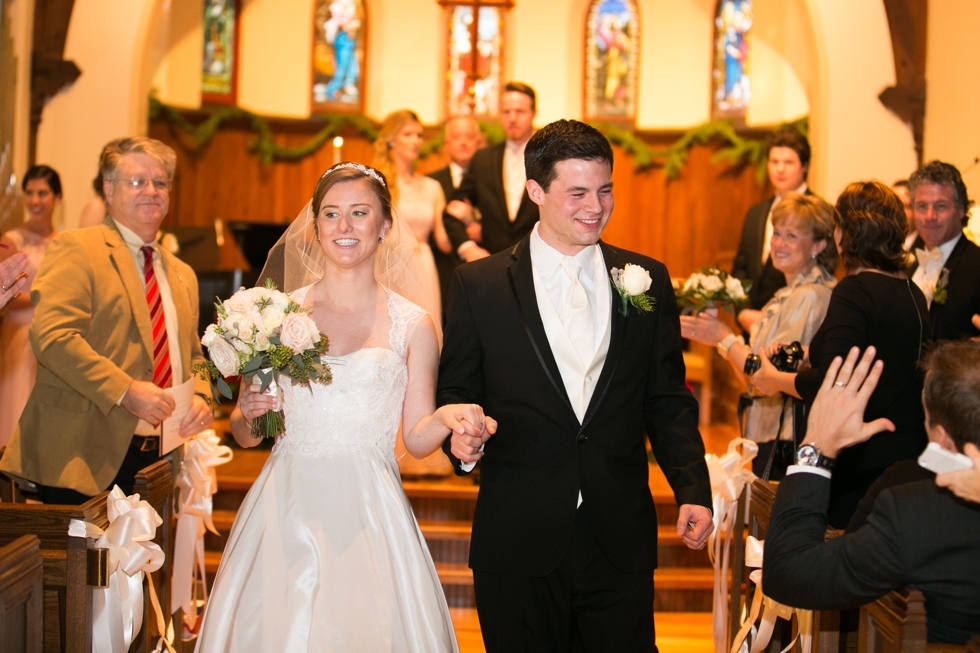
{"x":927,"y":274}
{"x":576,"y":313}
{"x":926,"y":257}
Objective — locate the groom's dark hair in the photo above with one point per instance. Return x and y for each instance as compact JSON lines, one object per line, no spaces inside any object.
{"x":560,"y":141}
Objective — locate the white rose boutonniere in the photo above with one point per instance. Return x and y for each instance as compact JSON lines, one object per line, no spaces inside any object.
{"x":941,"y":291}
{"x":632,"y":282}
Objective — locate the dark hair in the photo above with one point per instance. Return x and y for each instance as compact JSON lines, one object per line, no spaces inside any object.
{"x":46,"y":173}
{"x":560,"y":141}
{"x":98,"y":185}
{"x":344,"y":172}
{"x":813,"y":213}
{"x":521,"y":87}
{"x":952,"y":389}
{"x":901,"y":183}
{"x":944,"y":174}
{"x":795,"y":141}
{"x":873,"y":226}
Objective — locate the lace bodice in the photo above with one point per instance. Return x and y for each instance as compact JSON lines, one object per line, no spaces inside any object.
{"x":359,"y":413}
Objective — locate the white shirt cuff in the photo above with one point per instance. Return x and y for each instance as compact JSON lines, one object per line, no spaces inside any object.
{"x":465,"y":246}
{"x":468,"y":467}
{"x":807,"y":469}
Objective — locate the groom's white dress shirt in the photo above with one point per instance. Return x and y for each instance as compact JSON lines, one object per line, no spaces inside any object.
{"x":579,"y":370}
{"x":931,"y":264}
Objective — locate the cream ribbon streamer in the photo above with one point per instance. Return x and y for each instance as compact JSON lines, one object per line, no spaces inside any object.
{"x":118,"y":609}
{"x":728,"y":479}
{"x":771,"y":610}
{"x":196,"y":484}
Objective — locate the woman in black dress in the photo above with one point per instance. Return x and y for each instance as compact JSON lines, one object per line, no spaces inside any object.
{"x":876,"y":304}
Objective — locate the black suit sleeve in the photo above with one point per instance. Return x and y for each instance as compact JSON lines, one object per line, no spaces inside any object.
{"x":803,"y":570}
{"x":670,"y":413}
{"x":461,"y":363}
{"x":455,"y":229}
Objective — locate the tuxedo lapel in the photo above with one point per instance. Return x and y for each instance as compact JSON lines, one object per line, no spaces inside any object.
{"x":522,"y":282}
{"x":131,"y":281}
{"x":616,"y":336}
{"x":936,"y":309}
{"x":497,"y":165}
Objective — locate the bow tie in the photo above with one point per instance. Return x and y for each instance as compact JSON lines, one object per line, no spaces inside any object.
{"x":924,"y":257}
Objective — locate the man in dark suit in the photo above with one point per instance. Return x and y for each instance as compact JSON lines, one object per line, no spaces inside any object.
{"x":565,"y":533}
{"x":917,"y":535}
{"x":788,"y":154}
{"x":461,"y":139}
{"x":947,"y":265}
{"x":494,"y":184}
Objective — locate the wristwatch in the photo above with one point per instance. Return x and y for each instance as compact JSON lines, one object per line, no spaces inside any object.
{"x":809,"y":455}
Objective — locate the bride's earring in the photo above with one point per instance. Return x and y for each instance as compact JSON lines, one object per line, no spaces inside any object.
{"x":381,"y":240}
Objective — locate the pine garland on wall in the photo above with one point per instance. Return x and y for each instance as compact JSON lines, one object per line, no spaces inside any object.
{"x":734,"y":149}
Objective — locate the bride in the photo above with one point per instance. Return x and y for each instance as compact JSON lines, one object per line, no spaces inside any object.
{"x":325,"y":553}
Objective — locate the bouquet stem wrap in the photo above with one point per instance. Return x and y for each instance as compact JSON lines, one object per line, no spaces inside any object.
{"x":196,"y":483}
{"x":118,"y":609}
{"x":771,"y":610}
{"x":728,"y":480}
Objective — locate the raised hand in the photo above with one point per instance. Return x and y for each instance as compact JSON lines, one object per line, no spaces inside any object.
{"x":837,"y":417}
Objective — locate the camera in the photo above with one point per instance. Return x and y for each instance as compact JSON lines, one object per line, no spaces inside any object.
{"x":786,"y":359}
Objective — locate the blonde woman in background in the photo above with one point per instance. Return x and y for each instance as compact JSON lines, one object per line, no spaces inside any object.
{"x":803,"y":250}
{"x":418,"y":200}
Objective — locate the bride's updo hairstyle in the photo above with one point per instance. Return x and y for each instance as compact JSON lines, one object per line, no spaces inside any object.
{"x":347,"y":172}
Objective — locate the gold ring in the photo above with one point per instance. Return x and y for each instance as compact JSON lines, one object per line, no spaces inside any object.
{"x":840,"y":384}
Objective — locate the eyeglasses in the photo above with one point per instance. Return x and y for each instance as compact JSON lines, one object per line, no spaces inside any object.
{"x":139,"y":183}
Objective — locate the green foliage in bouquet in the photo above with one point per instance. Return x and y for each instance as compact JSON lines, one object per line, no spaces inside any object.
{"x":711,"y":287}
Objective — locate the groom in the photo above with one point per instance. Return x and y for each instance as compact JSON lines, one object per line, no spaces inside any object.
{"x":565,"y":533}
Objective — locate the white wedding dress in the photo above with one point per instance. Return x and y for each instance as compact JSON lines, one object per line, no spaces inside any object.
{"x":325,"y":553}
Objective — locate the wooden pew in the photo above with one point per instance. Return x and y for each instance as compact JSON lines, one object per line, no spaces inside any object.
{"x":896,"y":623}
{"x":21,"y":596}
{"x":65,"y":565}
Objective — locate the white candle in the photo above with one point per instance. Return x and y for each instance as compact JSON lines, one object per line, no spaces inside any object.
{"x":338,"y":143}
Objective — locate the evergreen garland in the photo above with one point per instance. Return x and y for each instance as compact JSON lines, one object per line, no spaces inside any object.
{"x":736,"y":150}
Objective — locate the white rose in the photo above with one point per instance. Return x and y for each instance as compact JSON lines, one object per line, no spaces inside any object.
{"x":241,"y":346}
{"x":209,"y":335}
{"x":262,"y":341}
{"x":635,"y":279}
{"x":734,"y":288}
{"x":231,"y":323}
{"x":272,"y":318}
{"x":224,"y":357}
{"x":712,"y":283}
{"x":692,"y":282}
{"x":295,"y":333}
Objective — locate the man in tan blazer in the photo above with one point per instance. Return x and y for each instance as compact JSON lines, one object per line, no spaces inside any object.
{"x":92,"y":417}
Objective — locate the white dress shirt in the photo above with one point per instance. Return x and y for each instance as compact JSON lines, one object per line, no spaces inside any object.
{"x":134,"y":243}
{"x":515,"y":178}
{"x":767,"y":239}
{"x":931,"y":266}
{"x":456,"y":172}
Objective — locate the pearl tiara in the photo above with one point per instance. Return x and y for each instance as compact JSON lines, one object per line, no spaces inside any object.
{"x":370,"y":172}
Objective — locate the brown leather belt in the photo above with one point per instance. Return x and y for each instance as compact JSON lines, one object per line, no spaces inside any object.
{"x":146,"y":442}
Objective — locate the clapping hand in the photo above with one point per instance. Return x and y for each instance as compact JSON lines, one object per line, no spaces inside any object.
{"x":470,"y":430}
{"x":13,"y":277}
{"x":837,"y":417}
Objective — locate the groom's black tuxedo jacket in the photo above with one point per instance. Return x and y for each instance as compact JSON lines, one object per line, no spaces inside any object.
{"x":952,"y":320}
{"x":497,"y":354}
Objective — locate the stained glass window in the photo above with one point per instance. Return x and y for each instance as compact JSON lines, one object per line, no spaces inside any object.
{"x":731,"y":73}
{"x":474,"y":79}
{"x":220,"y":52}
{"x":611,"y":59}
{"x":338,"y":55}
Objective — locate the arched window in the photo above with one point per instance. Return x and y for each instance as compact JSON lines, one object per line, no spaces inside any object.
{"x":612,"y":39}
{"x":731,"y":73}
{"x":339,"y":29}
{"x":473,"y":80}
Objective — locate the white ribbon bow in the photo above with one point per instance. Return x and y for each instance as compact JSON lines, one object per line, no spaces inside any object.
{"x":772,"y":610}
{"x":118,"y":609}
{"x":196,"y":483}
{"x":728,"y":479}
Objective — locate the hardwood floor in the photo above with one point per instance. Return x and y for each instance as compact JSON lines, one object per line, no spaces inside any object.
{"x":677,"y":632}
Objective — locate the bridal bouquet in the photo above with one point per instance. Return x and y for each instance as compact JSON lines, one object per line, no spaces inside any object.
{"x":261,"y":333}
{"x":710,"y":287}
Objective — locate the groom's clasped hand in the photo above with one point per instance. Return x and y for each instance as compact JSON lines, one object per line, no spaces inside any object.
{"x":470,"y":429}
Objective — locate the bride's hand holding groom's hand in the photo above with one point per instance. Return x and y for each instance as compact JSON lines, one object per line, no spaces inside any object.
{"x":470,"y":429}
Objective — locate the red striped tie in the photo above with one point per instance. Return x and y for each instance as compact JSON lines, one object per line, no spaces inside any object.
{"x":162,"y":374}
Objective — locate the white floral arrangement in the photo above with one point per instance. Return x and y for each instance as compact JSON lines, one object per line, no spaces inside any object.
{"x":260,"y":334}
{"x":632,"y":283}
{"x":711,"y":287}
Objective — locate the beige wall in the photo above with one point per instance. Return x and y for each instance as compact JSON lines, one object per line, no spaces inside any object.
{"x":21,"y":28}
{"x":952,"y":131}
